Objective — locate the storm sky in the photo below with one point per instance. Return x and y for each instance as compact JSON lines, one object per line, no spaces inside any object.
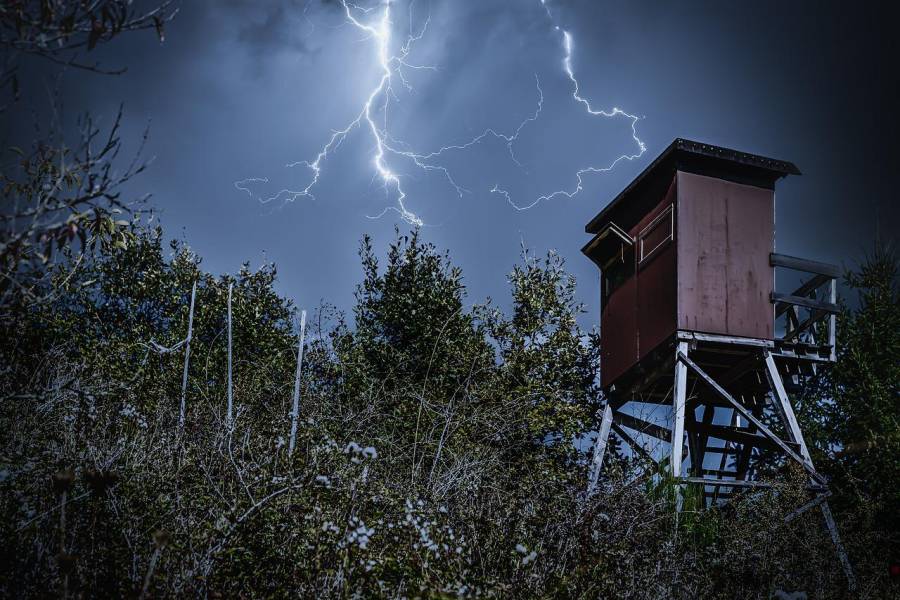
{"x":241,"y":89}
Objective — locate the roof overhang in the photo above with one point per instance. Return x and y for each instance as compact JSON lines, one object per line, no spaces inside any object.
{"x":692,"y":157}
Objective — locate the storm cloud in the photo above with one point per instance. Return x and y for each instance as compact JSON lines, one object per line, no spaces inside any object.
{"x":241,"y":89}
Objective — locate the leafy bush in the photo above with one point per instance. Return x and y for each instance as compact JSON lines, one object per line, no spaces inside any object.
{"x":438,"y":455}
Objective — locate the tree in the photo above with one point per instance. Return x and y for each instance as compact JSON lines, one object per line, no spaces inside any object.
{"x":53,"y":194}
{"x":862,"y":419}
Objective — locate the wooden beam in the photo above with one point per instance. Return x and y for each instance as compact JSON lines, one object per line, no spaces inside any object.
{"x":732,"y":434}
{"x":642,"y":426}
{"x":803,"y":264}
{"x":751,"y":418}
{"x":679,"y":399}
{"x":796,"y":331}
{"x":828,"y":307}
{"x":784,"y":408}
{"x":737,"y":483}
{"x":633,"y":443}
{"x":742,"y":483}
{"x":715,"y":338}
{"x":805,"y":289}
{"x":599,"y":449}
{"x":721,"y":450}
{"x":819,"y":499}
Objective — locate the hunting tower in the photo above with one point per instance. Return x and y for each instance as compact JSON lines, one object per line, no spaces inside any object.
{"x":693,"y":328}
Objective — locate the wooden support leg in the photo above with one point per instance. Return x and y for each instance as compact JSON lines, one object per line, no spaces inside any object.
{"x":678,"y":400}
{"x":599,"y":449}
{"x":694,"y":441}
{"x":742,"y":410}
{"x":635,"y":446}
{"x":793,"y":429}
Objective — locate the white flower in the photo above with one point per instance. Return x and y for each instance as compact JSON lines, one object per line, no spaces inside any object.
{"x":531,"y":556}
{"x":328,"y":526}
{"x":361,"y":536}
{"x":521,"y":549}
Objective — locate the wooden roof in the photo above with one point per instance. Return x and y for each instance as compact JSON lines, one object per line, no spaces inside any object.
{"x":693,"y":157}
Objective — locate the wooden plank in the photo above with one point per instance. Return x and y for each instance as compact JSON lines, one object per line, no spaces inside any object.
{"x":750,"y":417}
{"x":719,"y":473}
{"x":187,"y":357}
{"x":743,"y":463}
{"x":725,"y":233}
{"x":803,"y":264}
{"x":806,"y":324}
{"x":806,"y":302}
{"x":745,"y":483}
{"x":733,"y":434}
{"x":709,"y":413}
{"x":633,"y":443}
{"x":804,"y":290}
{"x":819,"y":499}
{"x":735,"y":483}
{"x":723,"y":339}
{"x":295,"y":405}
{"x":678,"y":406}
{"x":784,"y":408}
{"x":642,"y":426}
{"x":839,"y":546}
{"x":832,"y":322}
{"x":600,"y":449}
{"x":725,"y":450}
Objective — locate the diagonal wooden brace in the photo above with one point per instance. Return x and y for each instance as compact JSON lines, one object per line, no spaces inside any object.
{"x":752,"y":418}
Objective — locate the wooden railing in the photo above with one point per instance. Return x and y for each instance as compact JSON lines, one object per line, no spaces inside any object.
{"x":810,"y":311}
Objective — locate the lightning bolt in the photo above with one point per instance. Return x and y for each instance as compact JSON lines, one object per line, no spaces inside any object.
{"x":576,"y":94}
{"x":377,"y":103}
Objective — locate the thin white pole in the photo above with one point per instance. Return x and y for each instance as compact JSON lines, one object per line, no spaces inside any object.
{"x":187,"y":355}
{"x":228,"y":418}
{"x":679,"y":399}
{"x":295,"y":411}
{"x":599,"y":450}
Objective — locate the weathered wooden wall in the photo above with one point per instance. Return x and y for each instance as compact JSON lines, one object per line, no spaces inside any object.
{"x":724,"y":234}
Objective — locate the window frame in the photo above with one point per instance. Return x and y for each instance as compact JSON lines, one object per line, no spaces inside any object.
{"x":667,"y":213}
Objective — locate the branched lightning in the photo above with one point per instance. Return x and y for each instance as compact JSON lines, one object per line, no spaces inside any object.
{"x":373,"y":117}
{"x":579,"y":175}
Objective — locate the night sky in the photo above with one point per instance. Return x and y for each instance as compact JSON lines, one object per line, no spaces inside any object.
{"x":241,"y":89}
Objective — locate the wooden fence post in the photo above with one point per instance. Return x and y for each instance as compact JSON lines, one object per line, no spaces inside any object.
{"x":187,"y":356}
{"x":228,"y":417}
{"x":295,"y":411}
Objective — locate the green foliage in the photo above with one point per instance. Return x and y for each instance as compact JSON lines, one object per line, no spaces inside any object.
{"x":862,"y":423}
{"x":437,"y":449}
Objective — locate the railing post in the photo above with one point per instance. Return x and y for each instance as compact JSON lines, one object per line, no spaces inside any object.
{"x":832,"y":321}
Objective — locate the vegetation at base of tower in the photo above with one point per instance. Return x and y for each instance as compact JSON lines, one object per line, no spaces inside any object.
{"x":857,"y":432}
{"x":440,"y":451}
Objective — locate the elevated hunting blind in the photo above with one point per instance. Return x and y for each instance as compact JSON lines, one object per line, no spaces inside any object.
{"x":690,"y":319}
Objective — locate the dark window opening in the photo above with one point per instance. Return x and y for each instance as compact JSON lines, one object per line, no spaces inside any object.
{"x":616,"y":272}
{"x":612,"y":249}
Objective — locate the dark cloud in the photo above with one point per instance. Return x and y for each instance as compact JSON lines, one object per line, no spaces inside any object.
{"x":800,"y":81}
{"x":275,"y":28}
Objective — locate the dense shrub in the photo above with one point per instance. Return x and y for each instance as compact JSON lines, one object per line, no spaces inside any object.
{"x":438,"y":455}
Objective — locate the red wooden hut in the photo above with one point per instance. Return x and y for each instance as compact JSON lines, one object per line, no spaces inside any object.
{"x":686,"y":247}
